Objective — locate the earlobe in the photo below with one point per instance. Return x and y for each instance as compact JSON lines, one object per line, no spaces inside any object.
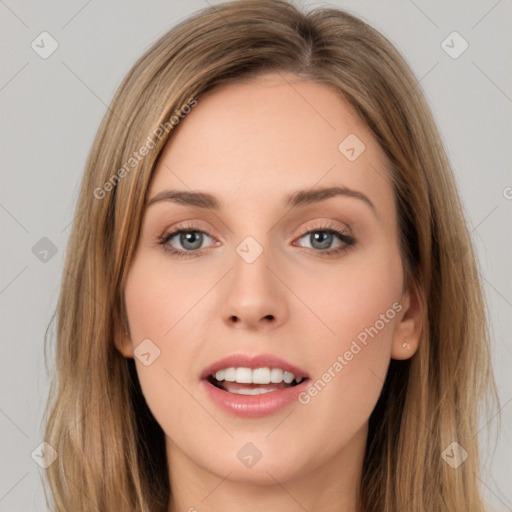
{"x":407,"y":335}
{"x":405,"y":351}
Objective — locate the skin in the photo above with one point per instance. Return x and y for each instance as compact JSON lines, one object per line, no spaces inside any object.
{"x":250,"y":144}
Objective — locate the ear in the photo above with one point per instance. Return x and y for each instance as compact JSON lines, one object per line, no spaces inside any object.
{"x":122,"y":340}
{"x":407,"y":335}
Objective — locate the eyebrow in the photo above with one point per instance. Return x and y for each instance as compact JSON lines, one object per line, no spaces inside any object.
{"x":295,"y":199}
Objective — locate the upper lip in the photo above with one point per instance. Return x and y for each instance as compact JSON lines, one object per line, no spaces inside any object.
{"x":253,"y":362}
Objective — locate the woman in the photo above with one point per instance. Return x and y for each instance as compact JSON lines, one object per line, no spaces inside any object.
{"x":270,"y":296}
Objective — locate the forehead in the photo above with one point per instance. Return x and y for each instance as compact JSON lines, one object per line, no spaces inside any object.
{"x":262,"y":139}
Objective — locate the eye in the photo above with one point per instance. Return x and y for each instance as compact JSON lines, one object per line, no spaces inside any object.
{"x":322,"y":238}
{"x":189,"y":237}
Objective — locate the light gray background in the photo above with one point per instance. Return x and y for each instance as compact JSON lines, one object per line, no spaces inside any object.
{"x":51,"y":109}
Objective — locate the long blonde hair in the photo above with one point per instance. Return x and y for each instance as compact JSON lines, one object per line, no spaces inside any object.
{"x":111,"y":449}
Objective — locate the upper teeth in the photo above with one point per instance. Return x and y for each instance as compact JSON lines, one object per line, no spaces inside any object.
{"x":256,"y":376}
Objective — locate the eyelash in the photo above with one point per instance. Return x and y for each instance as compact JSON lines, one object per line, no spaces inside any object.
{"x":349,"y":241}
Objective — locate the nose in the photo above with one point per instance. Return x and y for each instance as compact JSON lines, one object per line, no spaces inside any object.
{"x":255,"y":297}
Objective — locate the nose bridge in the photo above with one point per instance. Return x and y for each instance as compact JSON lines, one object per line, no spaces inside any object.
{"x":251,"y":264}
{"x":253,"y":293}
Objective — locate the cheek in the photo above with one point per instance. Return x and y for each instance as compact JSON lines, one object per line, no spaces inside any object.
{"x":157,"y":297}
{"x":359,"y":308}
{"x":355,"y":297}
{"x":160,"y":307}
{"x":144,"y":304}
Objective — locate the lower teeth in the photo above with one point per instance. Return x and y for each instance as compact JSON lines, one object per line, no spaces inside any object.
{"x":254,"y":391}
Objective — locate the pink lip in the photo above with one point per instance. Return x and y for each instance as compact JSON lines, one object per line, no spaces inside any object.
{"x":253,"y":406}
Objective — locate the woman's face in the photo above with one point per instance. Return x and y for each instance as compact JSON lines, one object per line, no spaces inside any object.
{"x":268,"y":272}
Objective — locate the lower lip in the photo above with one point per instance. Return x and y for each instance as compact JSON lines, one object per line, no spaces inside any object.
{"x":254,"y":406}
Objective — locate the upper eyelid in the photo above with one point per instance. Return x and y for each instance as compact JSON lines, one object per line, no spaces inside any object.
{"x":305,"y":230}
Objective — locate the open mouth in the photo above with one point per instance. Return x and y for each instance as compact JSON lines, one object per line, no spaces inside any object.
{"x":258,"y":381}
